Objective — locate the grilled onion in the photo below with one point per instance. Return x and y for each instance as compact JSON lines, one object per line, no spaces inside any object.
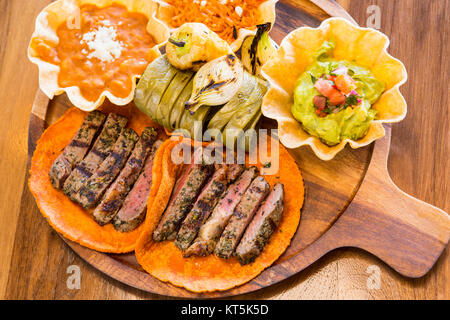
{"x":216,"y":82}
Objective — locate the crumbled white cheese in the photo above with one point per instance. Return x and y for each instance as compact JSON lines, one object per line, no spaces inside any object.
{"x":103,"y":44}
{"x":203,"y":3}
{"x":238,"y":10}
{"x":223,"y":1}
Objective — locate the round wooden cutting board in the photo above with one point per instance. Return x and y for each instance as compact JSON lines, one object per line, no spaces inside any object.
{"x":349,"y":201}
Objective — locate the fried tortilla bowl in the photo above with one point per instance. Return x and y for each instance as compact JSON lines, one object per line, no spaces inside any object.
{"x":266,"y":14}
{"x":165,"y":261}
{"x":56,"y":13}
{"x":366,"y":47}
{"x":66,"y":217}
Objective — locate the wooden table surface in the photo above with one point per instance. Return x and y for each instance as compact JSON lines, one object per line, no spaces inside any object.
{"x":34,"y":260}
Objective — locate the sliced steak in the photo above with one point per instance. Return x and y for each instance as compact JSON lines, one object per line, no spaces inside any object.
{"x":75,"y":151}
{"x":91,"y":192}
{"x":234,"y":171}
{"x":262,"y":226}
{"x":60,"y":170}
{"x":182,"y":200}
{"x":211,"y":230}
{"x":111,"y":129}
{"x":241,"y":217}
{"x":114,"y":196}
{"x":134,"y":206}
{"x":203,"y":207}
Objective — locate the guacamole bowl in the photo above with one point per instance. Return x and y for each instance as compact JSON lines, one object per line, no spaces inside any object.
{"x":363,"y":47}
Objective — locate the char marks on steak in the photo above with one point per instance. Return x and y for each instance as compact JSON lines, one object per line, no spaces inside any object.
{"x":203,"y":207}
{"x":183,"y":198}
{"x":243,"y":213}
{"x":211,"y":230}
{"x":113,"y":199}
{"x":262,"y":226}
{"x":133,"y":211}
{"x":60,"y":170}
{"x":85,"y":169}
{"x":75,"y":151}
{"x":93,"y":189}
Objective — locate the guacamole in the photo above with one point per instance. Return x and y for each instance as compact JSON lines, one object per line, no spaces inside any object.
{"x":333,"y":99}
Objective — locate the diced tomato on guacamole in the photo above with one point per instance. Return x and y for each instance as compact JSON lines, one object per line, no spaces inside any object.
{"x":328,"y":89}
{"x":333,"y":99}
{"x":345,"y":83}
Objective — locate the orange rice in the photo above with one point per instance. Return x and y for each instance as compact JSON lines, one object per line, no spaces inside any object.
{"x":219,"y":16}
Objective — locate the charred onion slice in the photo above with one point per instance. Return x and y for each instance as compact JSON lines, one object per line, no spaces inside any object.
{"x":216,"y":82}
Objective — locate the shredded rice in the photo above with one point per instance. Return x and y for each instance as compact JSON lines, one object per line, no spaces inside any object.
{"x":219,"y":15}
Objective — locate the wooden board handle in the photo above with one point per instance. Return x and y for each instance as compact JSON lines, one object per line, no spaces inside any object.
{"x":406,"y":233}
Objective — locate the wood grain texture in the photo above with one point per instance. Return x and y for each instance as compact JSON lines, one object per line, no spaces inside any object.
{"x":333,"y":9}
{"x":341,"y":274}
{"x":18,"y":83}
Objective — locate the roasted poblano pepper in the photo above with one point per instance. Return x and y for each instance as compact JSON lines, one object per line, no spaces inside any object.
{"x":170,"y":96}
{"x":152,"y":85}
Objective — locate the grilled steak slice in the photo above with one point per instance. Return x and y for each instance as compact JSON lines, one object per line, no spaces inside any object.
{"x":134,"y":206}
{"x":234,"y":171}
{"x":60,"y":170}
{"x":211,"y":230}
{"x":241,"y":217}
{"x":114,"y":196}
{"x":182,"y":200}
{"x":91,"y":192}
{"x":203,"y":207}
{"x":262,"y":226}
{"x":111,"y":129}
{"x":75,"y":151}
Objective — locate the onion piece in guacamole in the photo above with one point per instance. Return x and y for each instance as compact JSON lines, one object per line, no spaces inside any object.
{"x":333,"y":99}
